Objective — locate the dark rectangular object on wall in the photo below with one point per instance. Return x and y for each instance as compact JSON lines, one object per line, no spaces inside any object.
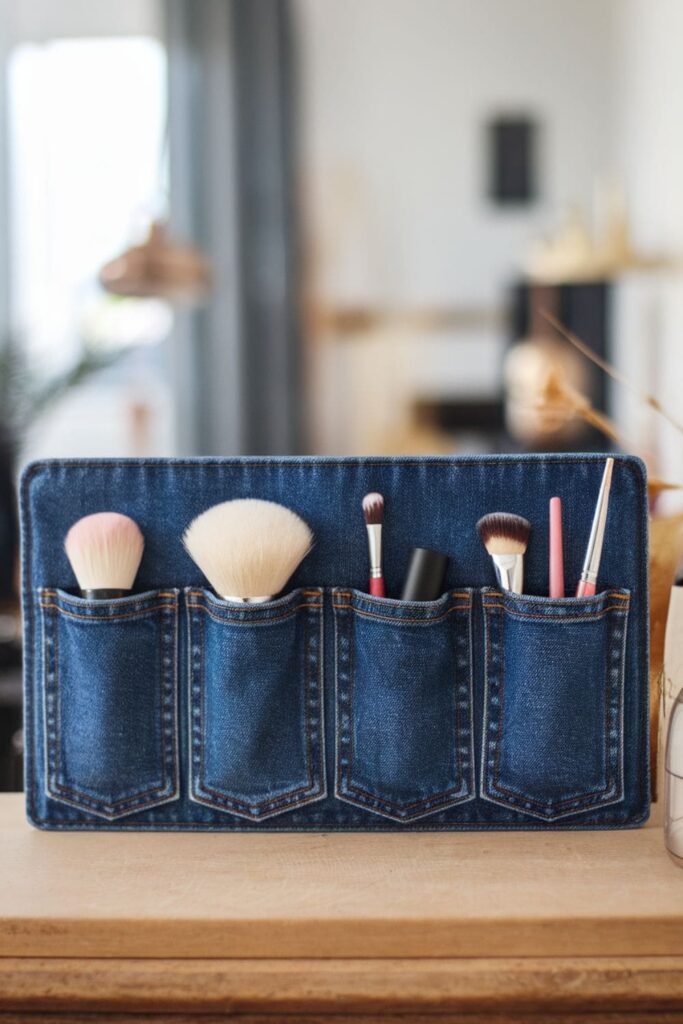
{"x":583,"y":308}
{"x":512,"y":160}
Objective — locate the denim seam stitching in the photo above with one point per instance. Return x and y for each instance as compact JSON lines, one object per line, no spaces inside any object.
{"x":470,"y":742}
{"x":556,"y":603}
{"x":205,"y":595}
{"x":313,"y":790}
{"x":356,"y":599}
{"x":555,"y":619}
{"x":79,"y":798}
{"x":81,"y":794}
{"x":108,"y":618}
{"x":251,"y":622}
{"x":364,"y":797}
{"x":115,"y":808}
{"x":577,"y":803}
{"x":611,"y":793}
{"x":217,"y":795}
{"x":139,"y":600}
{"x":399,"y":620}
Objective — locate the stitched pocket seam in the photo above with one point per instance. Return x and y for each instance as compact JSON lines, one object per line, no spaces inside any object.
{"x":551,"y":810}
{"x":350,"y":792}
{"x":314,"y":789}
{"x":80,"y":798}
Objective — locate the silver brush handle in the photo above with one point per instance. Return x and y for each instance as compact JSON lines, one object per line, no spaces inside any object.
{"x":375,"y":549}
{"x":591,"y":565}
{"x":510,"y":572}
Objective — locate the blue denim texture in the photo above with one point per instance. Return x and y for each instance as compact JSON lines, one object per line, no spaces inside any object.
{"x":327,"y":709}
{"x":255,"y":704}
{"x":554,"y":702}
{"x":404,"y":745}
{"x":111,"y":722}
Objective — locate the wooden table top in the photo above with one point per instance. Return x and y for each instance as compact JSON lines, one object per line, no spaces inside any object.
{"x":467,"y":894}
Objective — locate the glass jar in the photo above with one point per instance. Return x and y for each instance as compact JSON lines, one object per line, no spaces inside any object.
{"x":673,"y":821}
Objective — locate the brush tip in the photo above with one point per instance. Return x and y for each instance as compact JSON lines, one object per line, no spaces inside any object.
{"x":504,"y":533}
{"x":373,"y":508}
{"x":248,"y":548}
{"x":105,"y":550}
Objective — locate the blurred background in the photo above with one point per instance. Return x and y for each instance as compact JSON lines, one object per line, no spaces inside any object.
{"x":294,"y":226}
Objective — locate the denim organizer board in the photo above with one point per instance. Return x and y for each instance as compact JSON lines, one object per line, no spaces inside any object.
{"x":326,"y":708}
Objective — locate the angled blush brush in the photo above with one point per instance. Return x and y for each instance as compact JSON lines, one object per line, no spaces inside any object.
{"x":505,"y":537}
{"x":373,"y":512}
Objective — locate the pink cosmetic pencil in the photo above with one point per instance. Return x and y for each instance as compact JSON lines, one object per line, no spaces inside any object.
{"x":556,"y":553}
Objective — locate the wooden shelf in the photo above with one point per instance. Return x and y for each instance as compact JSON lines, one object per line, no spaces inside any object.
{"x":470,"y":894}
{"x":331,"y":928}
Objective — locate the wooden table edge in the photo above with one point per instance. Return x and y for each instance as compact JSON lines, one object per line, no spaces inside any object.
{"x":342,"y":938}
{"x":405,"y":985}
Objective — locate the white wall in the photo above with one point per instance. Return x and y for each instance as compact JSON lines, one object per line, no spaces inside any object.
{"x":395,"y":95}
{"x":649,"y":146}
{"x":649,"y":87}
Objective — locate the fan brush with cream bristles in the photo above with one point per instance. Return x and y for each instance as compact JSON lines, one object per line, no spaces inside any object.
{"x":248,"y":548}
{"x":105,"y":550}
{"x":505,"y":537}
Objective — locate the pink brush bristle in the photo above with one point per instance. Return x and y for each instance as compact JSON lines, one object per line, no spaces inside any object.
{"x":105,"y":550}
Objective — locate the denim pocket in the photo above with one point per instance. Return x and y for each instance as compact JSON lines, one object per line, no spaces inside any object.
{"x":553,"y":720}
{"x":110,"y":699}
{"x":256,"y":703}
{"x":404,"y":703}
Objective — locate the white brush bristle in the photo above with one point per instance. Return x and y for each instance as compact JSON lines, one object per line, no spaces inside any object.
{"x":105,"y":550}
{"x":248,"y":548}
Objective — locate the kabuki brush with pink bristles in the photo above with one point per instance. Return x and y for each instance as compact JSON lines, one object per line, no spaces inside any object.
{"x":105,"y":550}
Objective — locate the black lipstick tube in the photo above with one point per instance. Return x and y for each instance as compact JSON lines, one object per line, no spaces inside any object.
{"x":426,"y":573}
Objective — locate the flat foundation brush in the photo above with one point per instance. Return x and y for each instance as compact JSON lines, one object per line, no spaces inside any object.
{"x":505,"y":537}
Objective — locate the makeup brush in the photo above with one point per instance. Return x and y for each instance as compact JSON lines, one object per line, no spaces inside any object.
{"x":505,"y":537}
{"x":248,"y":548}
{"x":105,"y":550}
{"x":373,"y":511}
{"x":589,"y":574}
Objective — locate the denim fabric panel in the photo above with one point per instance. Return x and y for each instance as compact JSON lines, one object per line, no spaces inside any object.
{"x":431,"y":501}
{"x":110,"y":700}
{"x":554,"y":738}
{"x":404,"y":703}
{"x":256,"y":703}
